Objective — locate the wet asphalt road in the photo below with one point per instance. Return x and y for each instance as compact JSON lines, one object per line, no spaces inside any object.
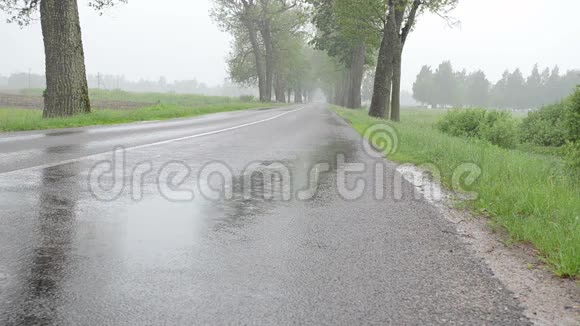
{"x":159,"y":257}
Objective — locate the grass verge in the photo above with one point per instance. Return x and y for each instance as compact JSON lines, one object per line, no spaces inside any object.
{"x":21,"y":120}
{"x":529,"y":194}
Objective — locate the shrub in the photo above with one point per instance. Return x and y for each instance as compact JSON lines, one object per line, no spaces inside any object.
{"x":573,"y":117}
{"x":462,"y":123}
{"x":573,"y":159}
{"x":502,"y":132}
{"x":546,"y":127}
{"x":498,"y":128}
{"x":573,"y":126}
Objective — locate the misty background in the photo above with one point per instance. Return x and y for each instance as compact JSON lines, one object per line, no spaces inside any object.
{"x":145,"y":43}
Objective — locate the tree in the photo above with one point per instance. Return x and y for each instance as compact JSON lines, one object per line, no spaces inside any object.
{"x":380,"y":102}
{"x":240,"y":17}
{"x":449,"y":87}
{"x":499,"y":92}
{"x":66,"y":91}
{"x":553,"y":84}
{"x":255,"y":25}
{"x":445,"y":89}
{"x":459,"y":89}
{"x":269,"y":11}
{"x":290,"y":60}
{"x":400,"y":20}
{"x":408,"y":17}
{"x":423,"y":86}
{"x":477,"y":89}
{"x":348,"y":31}
{"x":515,"y":87}
{"x":533,"y":88}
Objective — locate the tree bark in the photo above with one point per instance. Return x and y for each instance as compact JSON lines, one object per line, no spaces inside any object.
{"x":297,"y":95}
{"x":266,"y":33}
{"x":344,"y":88}
{"x":260,"y":70}
{"x":67,"y":92}
{"x":356,"y":77}
{"x":396,"y":96}
{"x":279,"y":90}
{"x":399,"y":44}
{"x":384,"y":71}
{"x":337,"y":91}
{"x":381,"y":101}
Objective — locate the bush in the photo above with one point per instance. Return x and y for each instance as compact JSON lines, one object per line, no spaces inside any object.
{"x":502,"y":132}
{"x":573,"y":117}
{"x":546,"y":127}
{"x":573,"y":126}
{"x":498,"y":128}
{"x":573,"y":159}
{"x":462,"y":123}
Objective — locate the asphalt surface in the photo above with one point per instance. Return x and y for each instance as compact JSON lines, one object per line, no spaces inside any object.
{"x":69,"y":257}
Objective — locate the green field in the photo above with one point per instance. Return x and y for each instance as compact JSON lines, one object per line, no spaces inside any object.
{"x":167,"y":106}
{"x":184,"y":100}
{"x":526,"y":191}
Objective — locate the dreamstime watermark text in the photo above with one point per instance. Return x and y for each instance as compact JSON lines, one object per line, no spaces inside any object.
{"x":367,"y":175}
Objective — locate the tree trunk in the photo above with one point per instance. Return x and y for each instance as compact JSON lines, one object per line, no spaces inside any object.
{"x":345,"y":89}
{"x":342,"y":91}
{"x":356,"y":77}
{"x":380,"y":104}
{"x":382,"y":86}
{"x":399,"y":44}
{"x":266,"y":33}
{"x":337,"y":92}
{"x":396,"y":98}
{"x":260,"y":70}
{"x":329,"y":94}
{"x":297,"y":95}
{"x":279,"y":90}
{"x":67,"y":92}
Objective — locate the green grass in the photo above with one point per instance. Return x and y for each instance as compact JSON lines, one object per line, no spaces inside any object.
{"x":167,"y":106}
{"x":171,"y":107}
{"x":526,"y":192}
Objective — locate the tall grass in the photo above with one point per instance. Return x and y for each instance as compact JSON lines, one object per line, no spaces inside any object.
{"x":529,"y":194}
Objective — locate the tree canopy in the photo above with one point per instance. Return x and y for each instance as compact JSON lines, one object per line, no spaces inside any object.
{"x":23,"y":12}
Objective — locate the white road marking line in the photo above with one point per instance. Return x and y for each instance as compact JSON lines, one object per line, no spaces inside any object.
{"x":93,"y":156}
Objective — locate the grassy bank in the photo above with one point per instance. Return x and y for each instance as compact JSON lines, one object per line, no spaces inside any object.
{"x":169,"y":107}
{"x":527,"y":193}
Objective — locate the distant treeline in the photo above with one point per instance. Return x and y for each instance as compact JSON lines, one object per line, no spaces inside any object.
{"x":447,"y":87}
{"x":24,"y":81}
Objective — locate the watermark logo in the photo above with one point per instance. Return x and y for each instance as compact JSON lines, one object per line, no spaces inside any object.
{"x":382,"y":140}
{"x":367,"y":174}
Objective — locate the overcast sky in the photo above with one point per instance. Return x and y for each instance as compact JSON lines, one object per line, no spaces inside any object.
{"x":177,"y":39}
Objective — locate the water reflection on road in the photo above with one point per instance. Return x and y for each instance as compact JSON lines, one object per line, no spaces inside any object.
{"x":44,"y":265}
{"x":66,"y":257}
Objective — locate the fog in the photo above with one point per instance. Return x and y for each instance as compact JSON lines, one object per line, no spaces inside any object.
{"x":177,"y":39}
